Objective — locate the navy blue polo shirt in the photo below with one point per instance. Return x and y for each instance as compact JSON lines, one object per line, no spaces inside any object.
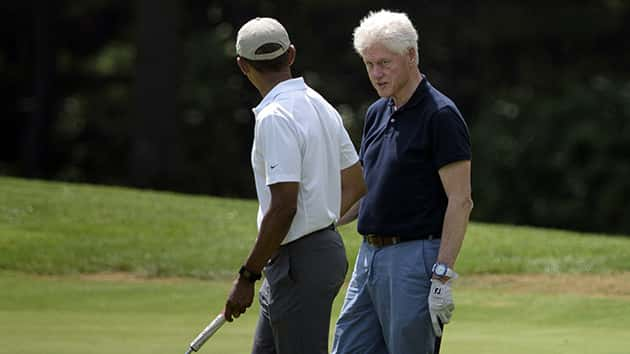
{"x":401,"y":152}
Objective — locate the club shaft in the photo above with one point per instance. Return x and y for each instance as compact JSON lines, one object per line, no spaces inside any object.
{"x":438,"y":340}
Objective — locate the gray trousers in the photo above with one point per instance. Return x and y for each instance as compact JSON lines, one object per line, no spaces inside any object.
{"x":296,"y":297}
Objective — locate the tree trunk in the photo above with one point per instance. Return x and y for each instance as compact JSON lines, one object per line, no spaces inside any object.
{"x":35,"y":138}
{"x":154,"y":155}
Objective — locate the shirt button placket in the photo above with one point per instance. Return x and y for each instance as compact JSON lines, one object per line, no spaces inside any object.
{"x":392,"y":119}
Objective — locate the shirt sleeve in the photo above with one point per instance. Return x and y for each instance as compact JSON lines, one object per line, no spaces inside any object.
{"x":280,"y":147}
{"x":451,"y":139}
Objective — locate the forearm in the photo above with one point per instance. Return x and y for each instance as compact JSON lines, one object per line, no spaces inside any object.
{"x":455,"y":224}
{"x":350,"y":215}
{"x":352,"y":190}
{"x":273,"y":229}
{"x":349,"y":199}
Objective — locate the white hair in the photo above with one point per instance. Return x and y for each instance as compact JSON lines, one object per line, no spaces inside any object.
{"x":394,"y":30}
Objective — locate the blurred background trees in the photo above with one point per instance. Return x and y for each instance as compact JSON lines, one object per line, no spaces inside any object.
{"x":147,"y":94}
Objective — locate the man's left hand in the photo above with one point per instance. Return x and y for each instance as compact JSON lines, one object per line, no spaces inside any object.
{"x":240,"y":298}
{"x":441,"y":304}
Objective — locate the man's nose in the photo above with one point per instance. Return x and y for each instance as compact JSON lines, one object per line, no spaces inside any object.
{"x":376,"y":72}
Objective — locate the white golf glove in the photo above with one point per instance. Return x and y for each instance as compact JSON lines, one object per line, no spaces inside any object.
{"x":441,"y":304}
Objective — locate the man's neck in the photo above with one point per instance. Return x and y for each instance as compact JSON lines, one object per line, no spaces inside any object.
{"x":402,"y":97}
{"x":269,"y":80}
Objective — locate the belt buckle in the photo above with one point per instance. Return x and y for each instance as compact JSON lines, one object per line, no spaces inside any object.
{"x":374,"y":240}
{"x":382,"y":241}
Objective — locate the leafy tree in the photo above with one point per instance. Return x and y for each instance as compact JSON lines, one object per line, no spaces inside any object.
{"x":560,"y":161}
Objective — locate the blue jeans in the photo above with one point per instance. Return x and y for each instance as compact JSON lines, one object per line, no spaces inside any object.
{"x":385,"y":310}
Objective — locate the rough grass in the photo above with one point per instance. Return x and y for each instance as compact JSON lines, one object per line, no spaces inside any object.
{"x":58,"y":228}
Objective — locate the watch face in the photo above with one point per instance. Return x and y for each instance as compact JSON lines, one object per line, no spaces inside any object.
{"x":440,"y":270}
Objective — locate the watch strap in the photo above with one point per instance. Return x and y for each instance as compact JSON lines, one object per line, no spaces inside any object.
{"x":450,"y":273}
{"x":249,"y":275}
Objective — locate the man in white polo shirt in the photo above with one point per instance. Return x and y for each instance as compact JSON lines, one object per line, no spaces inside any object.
{"x":307,"y":175}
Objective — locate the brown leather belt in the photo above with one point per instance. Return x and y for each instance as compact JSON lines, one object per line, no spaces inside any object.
{"x":382,"y":240}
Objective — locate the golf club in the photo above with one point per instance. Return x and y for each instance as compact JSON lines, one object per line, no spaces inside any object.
{"x":438,"y":340}
{"x":214,"y":326}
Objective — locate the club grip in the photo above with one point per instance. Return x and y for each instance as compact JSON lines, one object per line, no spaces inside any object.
{"x":207,"y":332}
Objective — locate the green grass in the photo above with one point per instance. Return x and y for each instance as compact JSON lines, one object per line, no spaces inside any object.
{"x":51,"y":233}
{"x":68,"y":315}
{"x":504,"y":249}
{"x":488,"y":321}
{"x":56,"y":228}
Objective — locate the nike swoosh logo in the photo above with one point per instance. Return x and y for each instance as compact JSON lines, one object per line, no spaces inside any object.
{"x":273,"y":166}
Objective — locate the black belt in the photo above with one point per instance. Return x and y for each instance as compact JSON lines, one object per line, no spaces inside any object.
{"x":332,"y":227}
{"x":383,"y":240}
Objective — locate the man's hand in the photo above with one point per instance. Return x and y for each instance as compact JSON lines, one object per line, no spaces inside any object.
{"x":240,"y":298}
{"x":441,"y":304}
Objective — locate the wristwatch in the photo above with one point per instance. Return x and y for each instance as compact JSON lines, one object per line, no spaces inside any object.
{"x":442,"y":270}
{"x":249,"y":275}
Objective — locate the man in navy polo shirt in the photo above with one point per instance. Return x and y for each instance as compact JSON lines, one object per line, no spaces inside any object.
{"x":416,"y":161}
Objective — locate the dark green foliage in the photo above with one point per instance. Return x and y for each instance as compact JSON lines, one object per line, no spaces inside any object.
{"x":560,"y":161}
{"x":543,"y":86}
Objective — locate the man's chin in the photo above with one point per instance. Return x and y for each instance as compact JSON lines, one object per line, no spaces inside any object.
{"x":383,"y":93}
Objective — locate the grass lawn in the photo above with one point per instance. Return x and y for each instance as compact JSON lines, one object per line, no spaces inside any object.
{"x":89,"y":269}
{"x":59,"y":228}
{"x":72,"y":314}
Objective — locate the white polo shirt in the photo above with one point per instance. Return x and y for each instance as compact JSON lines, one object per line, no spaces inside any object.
{"x":300,"y":137}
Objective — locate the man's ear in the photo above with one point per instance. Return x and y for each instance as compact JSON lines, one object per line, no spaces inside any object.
{"x":412,"y":55}
{"x":243,"y":66}
{"x":292,"y":52}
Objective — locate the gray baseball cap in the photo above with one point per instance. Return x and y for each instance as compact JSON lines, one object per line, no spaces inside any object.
{"x":258,"y":32}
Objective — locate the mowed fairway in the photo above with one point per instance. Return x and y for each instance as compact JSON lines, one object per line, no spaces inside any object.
{"x":88,"y":269}
{"x":119,"y":314}
{"x":73,"y":315}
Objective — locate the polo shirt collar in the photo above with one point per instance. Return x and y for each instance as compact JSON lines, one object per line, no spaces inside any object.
{"x":295,"y":84}
{"x":416,"y":97}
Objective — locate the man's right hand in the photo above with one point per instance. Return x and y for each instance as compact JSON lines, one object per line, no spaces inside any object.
{"x":240,"y":298}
